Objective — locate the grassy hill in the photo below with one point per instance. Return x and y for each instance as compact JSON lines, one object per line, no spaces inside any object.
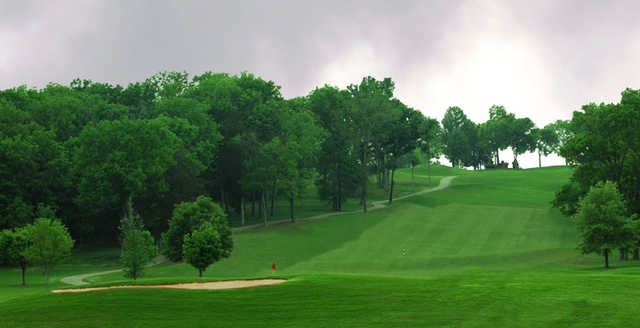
{"x":487,"y":251}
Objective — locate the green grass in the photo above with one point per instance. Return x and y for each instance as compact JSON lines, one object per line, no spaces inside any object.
{"x":82,"y":261}
{"x":488,"y":251}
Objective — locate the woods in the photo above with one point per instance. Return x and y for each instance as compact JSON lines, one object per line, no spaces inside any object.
{"x":170,"y":146}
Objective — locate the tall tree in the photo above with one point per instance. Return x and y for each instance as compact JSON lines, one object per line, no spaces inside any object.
{"x":371,"y":113}
{"x":497,"y":130}
{"x":430,"y":142}
{"x":337,"y":158}
{"x":404,"y":133}
{"x":522,"y":138}
{"x":458,"y":136}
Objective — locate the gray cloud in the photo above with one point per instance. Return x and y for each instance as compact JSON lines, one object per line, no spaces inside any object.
{"x":542,"y":59}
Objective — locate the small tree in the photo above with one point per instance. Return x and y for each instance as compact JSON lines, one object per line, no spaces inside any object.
{"x":49,"y":243}
{"x":603,"y":221}
{"x":187,"y":217}
{"x":12,"y":246}
{"x":204,"y":246}
{"x":138,"y":246}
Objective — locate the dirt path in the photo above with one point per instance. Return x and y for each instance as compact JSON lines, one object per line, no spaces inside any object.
{"x":79,"y":280}
{"x":214,"y":285}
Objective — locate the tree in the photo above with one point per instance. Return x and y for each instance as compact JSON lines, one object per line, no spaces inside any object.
{"x":337,"y":163}
{"x":371,"y":113}
{"x":188,"y":216}
{"x":205,"y":246}
{"x":303,"y":138}
{"x":562,"y":130}
{"x":546,"y":141}
{"x":34,"y":168}
{"x":521,"y":138}
{"x":121,"y":160}
{"x":138,"y":246}
{"x":49,"y":243}
{"x":13,"y":244}
{"x":403,"y":136}
{"x":459,"y":137}
{"x":603,"y":221}
{"x":604,"y":144}
{"x":497,"y":130}
{"x":479,"y":147}
{"x":430,"y":142}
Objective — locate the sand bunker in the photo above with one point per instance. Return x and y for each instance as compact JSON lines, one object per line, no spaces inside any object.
{"x":214,"y":285}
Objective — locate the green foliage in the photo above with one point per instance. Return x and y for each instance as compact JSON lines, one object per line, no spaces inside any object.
{"x":204,"y":246}
{"x":337,"y":159}
{"x":118,"y":160}
{"x":604,"y":222}
{"x":372,"y":111}
{"x":138,"y":247}
{"x":463,"y":143}
{"x":34,"y":168}
{"x":49,"y":243}
{"x":602,"y":143}
{"x":188,"y":216}
{"x":13,"y":244}
{"x":522,"y":136}
{"x":497,"y":130}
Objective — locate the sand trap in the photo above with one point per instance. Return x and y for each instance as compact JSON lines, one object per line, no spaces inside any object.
{"x":214,"y":285}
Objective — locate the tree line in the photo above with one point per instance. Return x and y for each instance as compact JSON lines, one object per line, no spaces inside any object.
{"x":89,"y":150}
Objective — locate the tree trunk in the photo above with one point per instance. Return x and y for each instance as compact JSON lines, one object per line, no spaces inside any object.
{"x":339,"y":195}
{"x":606,"y":258}
{"x":391,"y":186}
{"x":274,"y":194}
{"x":264,"y":208}
{"x":253,"y":204}
{"x":222,"y":200}
{"x":292,"y":209}
{"x":242,"y":210}
{"x":429,"y":170}
{"x":365,"y":177}
{"x":260,"y":208}
{"x":497,"y":156}
{"x":539,"y":159}
{"x":23,"y":268}
{"x":200,"y":273}
{"x":413,"y":177}
{"x":636,"y":253}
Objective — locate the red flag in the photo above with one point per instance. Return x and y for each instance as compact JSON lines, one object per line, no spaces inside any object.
{"x":273,"y":266}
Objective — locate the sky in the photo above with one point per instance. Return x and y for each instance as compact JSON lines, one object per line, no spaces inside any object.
{"x":540,"y":59}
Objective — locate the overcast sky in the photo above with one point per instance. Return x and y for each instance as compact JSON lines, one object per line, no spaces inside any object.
{"x":541,"y":59}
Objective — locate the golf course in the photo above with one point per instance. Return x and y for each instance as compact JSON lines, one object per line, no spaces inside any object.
{"x":488,"y":250}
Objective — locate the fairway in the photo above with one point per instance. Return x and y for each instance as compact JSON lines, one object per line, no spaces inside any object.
{"x":490,"y":243}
